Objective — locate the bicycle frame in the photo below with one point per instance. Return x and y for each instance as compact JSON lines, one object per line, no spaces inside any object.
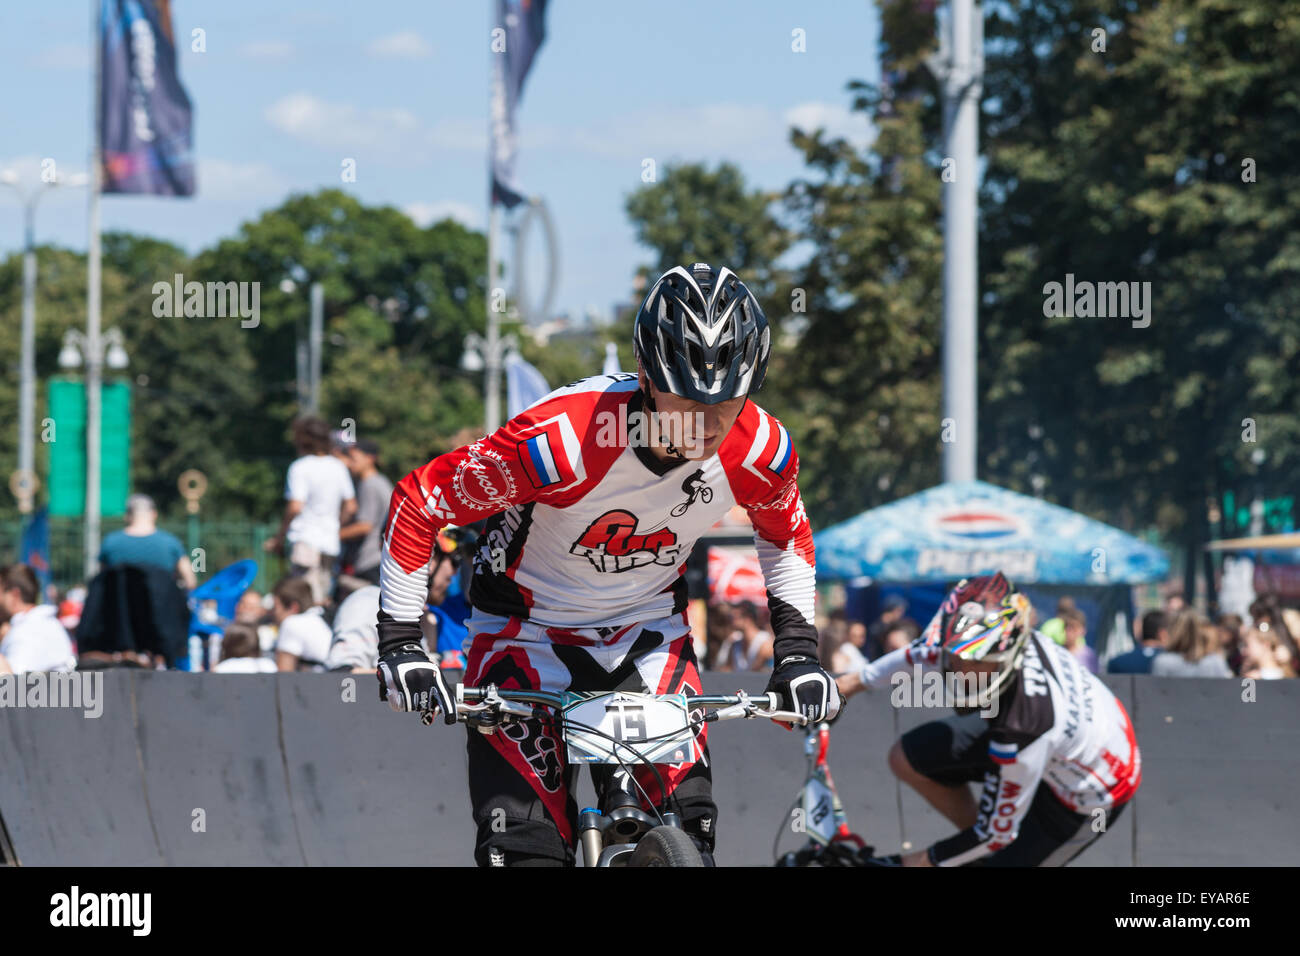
{"x":609,"y":834}
{"x":818,"y":800}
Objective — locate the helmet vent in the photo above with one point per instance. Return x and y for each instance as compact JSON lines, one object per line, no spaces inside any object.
{"x":696,"y":358}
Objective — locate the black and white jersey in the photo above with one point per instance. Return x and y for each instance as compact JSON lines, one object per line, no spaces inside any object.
{"x":1057,"y":725}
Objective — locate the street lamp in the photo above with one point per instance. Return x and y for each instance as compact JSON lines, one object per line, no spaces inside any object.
{"x":27,"y":376}
{"x":112,"y":342}
{"x":487,"y":355}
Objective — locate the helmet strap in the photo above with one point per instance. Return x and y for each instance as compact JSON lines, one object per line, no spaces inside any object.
{"x":648,"y":405}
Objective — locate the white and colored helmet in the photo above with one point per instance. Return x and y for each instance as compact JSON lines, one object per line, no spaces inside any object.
{"x":982,"y":619}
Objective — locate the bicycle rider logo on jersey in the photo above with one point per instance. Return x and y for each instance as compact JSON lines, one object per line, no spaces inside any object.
{"x":694,"y":487}
{"x":611,"y":543}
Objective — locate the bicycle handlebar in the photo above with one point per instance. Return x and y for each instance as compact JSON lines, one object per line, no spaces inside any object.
{"x":523,"y":703}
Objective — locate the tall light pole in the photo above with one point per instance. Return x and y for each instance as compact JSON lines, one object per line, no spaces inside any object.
{"x":27,"y":375}
{"x":959,"y":67}
{"x":488,"y":354}
{"x":94,"y":347}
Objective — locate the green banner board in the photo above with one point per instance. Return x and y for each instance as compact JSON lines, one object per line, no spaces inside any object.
{"x":65,"y":436}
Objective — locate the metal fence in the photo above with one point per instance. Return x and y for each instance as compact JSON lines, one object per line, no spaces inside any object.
{"x":211,"y":545}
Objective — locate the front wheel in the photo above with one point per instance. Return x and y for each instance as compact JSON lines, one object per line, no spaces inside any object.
{"x":666,"y":846}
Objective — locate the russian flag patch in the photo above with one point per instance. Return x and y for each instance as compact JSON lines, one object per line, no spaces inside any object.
{"x":1002,"y":754}
{"x":782,"y":455}
{"x":552,"y":455}
{"x":539,"y":461}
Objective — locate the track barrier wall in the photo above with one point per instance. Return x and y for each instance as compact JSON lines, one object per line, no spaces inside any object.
{"x":307,"y":769}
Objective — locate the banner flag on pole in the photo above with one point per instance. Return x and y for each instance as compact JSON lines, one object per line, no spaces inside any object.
{"x":524,"y":23}
{"x":146,"y":136}
{"x":524,"y":385}
{"x":34,"y":550}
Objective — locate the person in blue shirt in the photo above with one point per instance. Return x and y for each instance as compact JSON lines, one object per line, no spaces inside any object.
{"x":1155,"y":635}
{"x":142,"y":544}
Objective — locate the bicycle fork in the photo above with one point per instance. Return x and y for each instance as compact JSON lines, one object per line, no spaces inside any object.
{"x":611,"y":832}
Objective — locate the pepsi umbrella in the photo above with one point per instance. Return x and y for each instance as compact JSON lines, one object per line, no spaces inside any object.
{"x":966,"y":528}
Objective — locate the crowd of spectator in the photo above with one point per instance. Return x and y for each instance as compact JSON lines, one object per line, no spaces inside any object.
{"x":320,"y":616}
{"x":1186,"y":643}
{"x":1172,"y":641}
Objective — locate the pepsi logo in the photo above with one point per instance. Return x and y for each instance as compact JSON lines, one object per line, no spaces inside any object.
{"x":977,"y":525}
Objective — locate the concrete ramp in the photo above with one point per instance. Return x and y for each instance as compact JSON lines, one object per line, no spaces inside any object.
{"x":71,"y":787}
{"x":276,"y":770}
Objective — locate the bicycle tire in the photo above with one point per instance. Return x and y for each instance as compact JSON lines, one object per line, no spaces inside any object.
{"x":666,"y":846}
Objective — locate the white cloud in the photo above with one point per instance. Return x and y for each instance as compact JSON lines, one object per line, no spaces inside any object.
{"x":718,"y":129}
{"x":705,"y":132}
{"x":425,"y":214}
{"x":407,"y":45}
{"x":390,"y":130}
{"x":221,"y":180}
{"x":835,"y":119}
{"x":267,"y":50}
{"x":702,"y":132}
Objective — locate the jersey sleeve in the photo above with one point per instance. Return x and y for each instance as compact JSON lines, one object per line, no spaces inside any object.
{"x":1008,"y":792}
{"x":537,"y":455}
{"x":782,"y":536}
{"x":878,"y":673}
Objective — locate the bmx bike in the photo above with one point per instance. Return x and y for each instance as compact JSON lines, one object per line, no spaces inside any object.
{"x":624,"y":729}
{"x":830,"y":841}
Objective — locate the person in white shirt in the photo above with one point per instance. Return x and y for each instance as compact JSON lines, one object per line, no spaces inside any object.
{"x":355,"y":644}
{"x":303,"y":641}
{"x":35,"y":641}
{"x":319,"y":497}
{"x":241,"y":653}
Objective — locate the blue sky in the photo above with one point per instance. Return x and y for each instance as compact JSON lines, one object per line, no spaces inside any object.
{"x":288,"y":88}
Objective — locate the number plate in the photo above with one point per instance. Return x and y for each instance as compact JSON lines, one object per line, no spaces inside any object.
{"x":819,"y":810}
{"x":656,"y":727}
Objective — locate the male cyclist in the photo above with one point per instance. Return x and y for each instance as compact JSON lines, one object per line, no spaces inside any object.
{"x":597,"y":494}
{"x":1054,"y":748}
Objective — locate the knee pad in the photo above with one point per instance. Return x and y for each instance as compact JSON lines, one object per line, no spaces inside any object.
{"x":513,"y":842}
{"x":699,"y":819}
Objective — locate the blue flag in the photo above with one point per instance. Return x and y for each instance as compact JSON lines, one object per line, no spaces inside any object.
{"x":145,"y":132}
{"x":524,"y":23}
{"x":34,"y":551}
{"x":524,"y":385}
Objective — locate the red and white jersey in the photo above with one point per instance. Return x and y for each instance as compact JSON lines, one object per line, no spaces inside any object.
{"x":589,"y":530}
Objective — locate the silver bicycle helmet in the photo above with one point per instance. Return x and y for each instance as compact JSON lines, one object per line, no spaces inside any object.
{"x":701,"y":334}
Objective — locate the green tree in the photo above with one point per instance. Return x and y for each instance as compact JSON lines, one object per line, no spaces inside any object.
{"x":398,"y":302}
{"x":219,"y":393}
{"x":860,"y":387}
{"x":694,"y":214}
{"x":1128,"y":165}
